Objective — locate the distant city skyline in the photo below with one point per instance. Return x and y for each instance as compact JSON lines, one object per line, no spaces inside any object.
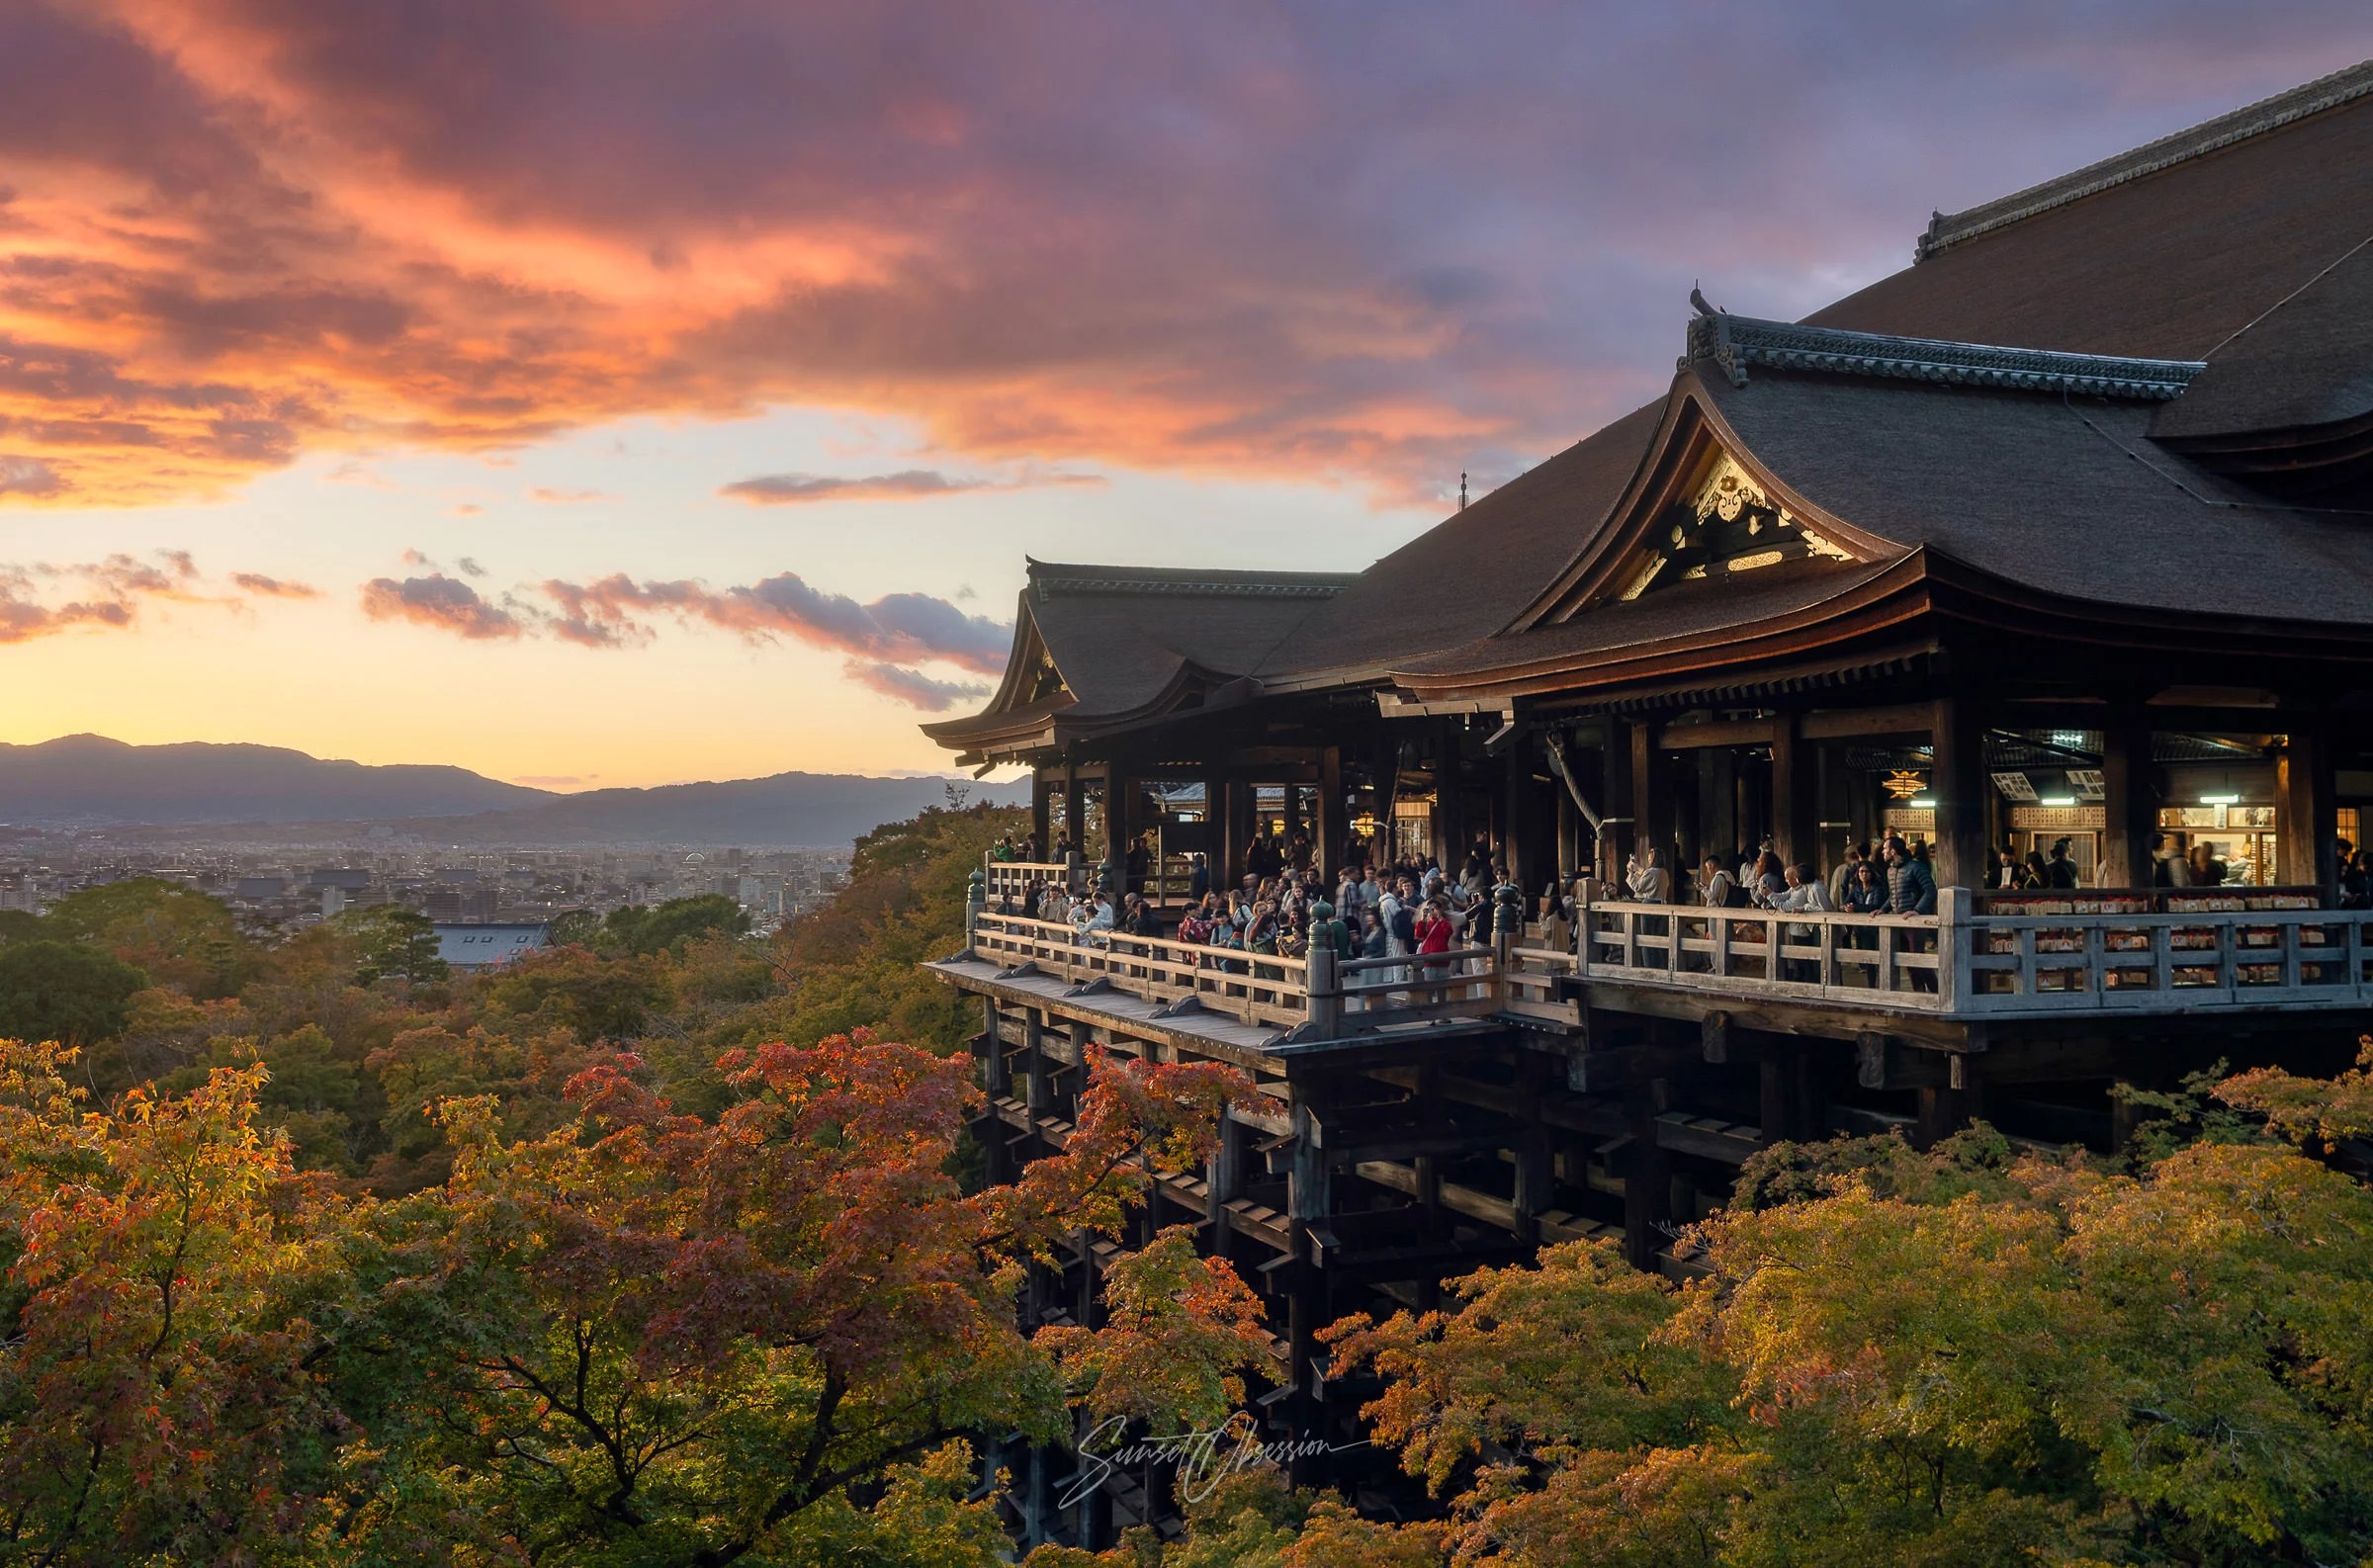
{"x":608,"y":400}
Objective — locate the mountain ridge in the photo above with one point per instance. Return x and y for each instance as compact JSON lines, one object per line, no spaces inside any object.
{"x":94,"y":781}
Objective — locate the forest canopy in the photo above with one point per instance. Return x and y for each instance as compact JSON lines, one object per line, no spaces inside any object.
{"x":670,"y":1246}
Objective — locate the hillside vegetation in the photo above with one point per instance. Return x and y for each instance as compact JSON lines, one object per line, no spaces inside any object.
{"x":665,"y":1247}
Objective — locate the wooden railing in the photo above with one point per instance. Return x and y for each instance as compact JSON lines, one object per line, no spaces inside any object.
{"x":1411,"y":989}
{"x":1253,"y":988}
{"x":1017,"y":878}
{"x":1884,"y":959}
{"x":2257,"y":958}
{"x":2180,"y":950}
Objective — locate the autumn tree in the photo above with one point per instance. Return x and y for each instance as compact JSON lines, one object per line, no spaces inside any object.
{"x":165,"y":1269}
{"x":674,"y":1340}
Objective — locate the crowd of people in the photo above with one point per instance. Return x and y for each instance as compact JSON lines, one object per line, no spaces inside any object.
{"x":1413,"y":907}
{"x":1894,"y":877}
{"x":1416,"y":907}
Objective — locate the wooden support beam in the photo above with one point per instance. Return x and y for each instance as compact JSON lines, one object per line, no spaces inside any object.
{"x":1957,"y":734}
{"x":1652,"y":802}
{"x":1861,"y":724}
{"x":1620,"y":834}
{"x":1796,"y":795}
{"x":1039,"y":1092}
{"x":1720,"y":732}
{"x":1329,"y":834}
{"x":1647,"y":1180}
{"x":1945,"y":1110}
{"x":2307,"y":798}
{"x":2130,"y":802}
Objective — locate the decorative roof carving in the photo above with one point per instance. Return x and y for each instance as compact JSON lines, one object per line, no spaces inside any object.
{"x":1729,"y":524}
{"x":2252,"y":120}
{"x":1735,"y":342}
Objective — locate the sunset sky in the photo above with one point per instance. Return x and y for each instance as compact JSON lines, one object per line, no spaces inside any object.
{"x":618,"y":392}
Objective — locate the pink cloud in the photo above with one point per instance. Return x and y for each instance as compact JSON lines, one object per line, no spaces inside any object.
{"x":1273,"y":246}
{"x":274,"y":587}
{"x":911,"y":687}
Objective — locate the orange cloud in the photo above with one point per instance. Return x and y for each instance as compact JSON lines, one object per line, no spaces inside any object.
{"x":1290,"y":248}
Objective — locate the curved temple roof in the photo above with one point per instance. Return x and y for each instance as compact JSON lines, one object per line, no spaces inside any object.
{"x":2091,"y":392}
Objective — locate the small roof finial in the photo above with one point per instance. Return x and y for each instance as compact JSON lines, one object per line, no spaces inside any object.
{"x":1463,"y":489}
{"x":1697,"y":296}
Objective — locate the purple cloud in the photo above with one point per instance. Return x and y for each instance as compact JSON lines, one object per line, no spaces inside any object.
{"x":793,"y":490}
{"x":911,"y":686}
{"x":446,"y":603}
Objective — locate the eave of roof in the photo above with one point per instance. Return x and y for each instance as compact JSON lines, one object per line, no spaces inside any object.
{"x":2210,"y":136}
{"x":1735,"y":342}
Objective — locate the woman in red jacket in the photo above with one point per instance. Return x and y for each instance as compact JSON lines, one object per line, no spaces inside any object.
{"x":1433,"y":930}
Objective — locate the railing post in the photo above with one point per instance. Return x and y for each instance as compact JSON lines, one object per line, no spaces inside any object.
{"x":1326,"y":994}
{"x":1506,"y":930}
{"x":1954,"y":939}
{"x":976,"y":899}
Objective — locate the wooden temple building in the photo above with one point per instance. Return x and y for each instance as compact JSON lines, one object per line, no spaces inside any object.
{"x":2065,"y":531}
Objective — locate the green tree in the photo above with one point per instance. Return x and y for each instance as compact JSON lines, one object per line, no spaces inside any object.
{"x":182,"y":937}
{"x":655,"y":929}
{"x":394,"y":943}
{"x":65,"y":991}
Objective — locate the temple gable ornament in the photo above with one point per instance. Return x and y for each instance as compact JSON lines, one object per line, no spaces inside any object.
{"x":1729,"y":524}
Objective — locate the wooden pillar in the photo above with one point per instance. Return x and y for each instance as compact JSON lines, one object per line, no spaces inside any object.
{"x":1041,"y":811}
{"x":1647,"y":1180}
{"x":1308,"y":1198}
{"x":1075,"y":808}
{"x":1614,"y":846}
{"x":2308,"y":820}
{"x":1450,"y":797}
{"x":1221,"y":1175}
{"x":1946,"y":1109}
{"x":2129,"y":800}
{"x":1120,"y":825}
{"x":1653,"y":803}
{"x":1718,"y":826}
{"x":1958,"y":733}
{"x":1038,"y":1094}
{"x":1795,"y":795}
{"x":1327,"y":821}
{"x":1516,"y":786}
{"x":1240,"y":829}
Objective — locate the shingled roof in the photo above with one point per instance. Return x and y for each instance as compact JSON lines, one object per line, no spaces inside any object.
{"x":2064,"y":371}
{"x":1128,"y":641}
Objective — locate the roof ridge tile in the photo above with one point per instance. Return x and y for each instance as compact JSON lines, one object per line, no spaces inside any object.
{"x":1734,"y":342}
{"x":1946,"y":229}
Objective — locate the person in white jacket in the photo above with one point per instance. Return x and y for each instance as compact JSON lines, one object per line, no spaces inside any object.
{"x":1806,"y":892}
{"x":1645,"y":879}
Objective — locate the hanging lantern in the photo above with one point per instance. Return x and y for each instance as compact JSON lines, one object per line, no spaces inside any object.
{"x":1903,"y":783}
